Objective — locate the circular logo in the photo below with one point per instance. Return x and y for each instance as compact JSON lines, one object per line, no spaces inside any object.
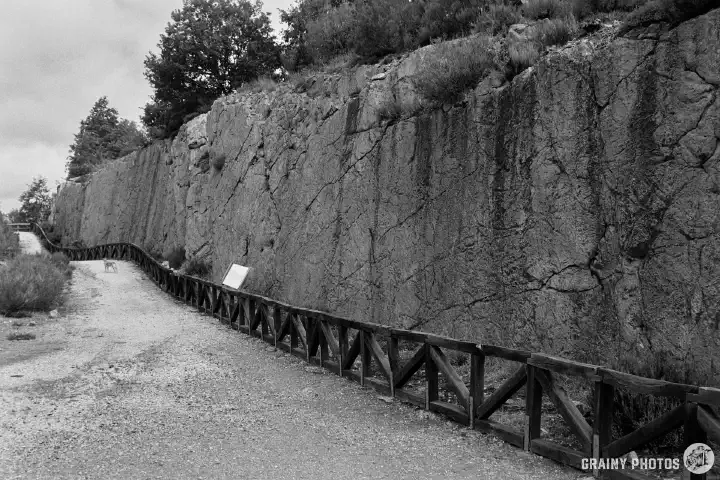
{"x":698,"y":458}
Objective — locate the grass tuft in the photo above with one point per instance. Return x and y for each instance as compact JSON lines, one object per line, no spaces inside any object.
{"x":497,"y":19}
{"x":197,"y":267}
{"x":454,"y":68}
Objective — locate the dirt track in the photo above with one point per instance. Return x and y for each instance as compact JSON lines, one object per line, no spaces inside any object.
{"x":128,"y":383}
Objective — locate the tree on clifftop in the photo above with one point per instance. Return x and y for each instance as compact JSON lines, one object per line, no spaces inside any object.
{"x":102,"y":136}
{"x":210,"y":48}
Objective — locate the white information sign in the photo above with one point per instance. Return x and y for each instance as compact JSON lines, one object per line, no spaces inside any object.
{"x":235,"y":276}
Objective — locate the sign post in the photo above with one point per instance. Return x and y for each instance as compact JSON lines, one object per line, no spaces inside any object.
{"x":235,"y":276}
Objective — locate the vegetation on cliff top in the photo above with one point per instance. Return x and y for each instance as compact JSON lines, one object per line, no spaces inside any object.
{"x":103,"y":136}
{"x":212,"y":48}
{"x":208,"y":50}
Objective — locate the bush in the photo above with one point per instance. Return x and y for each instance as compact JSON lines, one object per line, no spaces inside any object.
{"x":670,"y":11}
{"x":555,"y":31}
{"x":30,"y":282}
{"x":197,"y":268}
{"x":390,"y":110}
{"x":62,"y":263}
{"x":455,"y":67}
{"x":522,"y":56}
{"x":538,"y":9}
{"x":632,"y":410}
{"x":176,"y":257}
{"x":497,"y":19}
{"x":9,"y":241}
{"x":261,"y":84}
{"x":52,"y":235}
{"x":374,"y":28}
{"x":333,"y":33}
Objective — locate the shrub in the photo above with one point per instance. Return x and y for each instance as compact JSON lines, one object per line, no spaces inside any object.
{"x":53,"y":236}
{"x":496,"y":19}
{"x":389,"y":110}
{"x":61,"y":262}
{"x":333,"y":33}
{"x":522,"y":56}
{"x":538,"y":9}
{"x":555,"y":31}
{"x":455,"y":67}
{"x":197,"y":268}
{"x":9,"y":241}
{"x":176,"y":257}
{"x":260,"y":84}
{"x":374,"y":28}
{"x":30,"y":282}
{"x":671,"y":11}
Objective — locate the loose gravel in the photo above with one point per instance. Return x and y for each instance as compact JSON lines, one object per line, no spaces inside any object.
{"x":140,"y":386}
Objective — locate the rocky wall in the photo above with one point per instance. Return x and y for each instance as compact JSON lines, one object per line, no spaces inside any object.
{"x":574,"y":210}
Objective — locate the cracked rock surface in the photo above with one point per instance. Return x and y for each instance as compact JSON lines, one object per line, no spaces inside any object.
{"x":574,"y":211}
{"x":137,"y":385}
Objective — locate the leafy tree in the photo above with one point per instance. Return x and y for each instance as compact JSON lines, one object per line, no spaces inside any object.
{"x":210,"y":48}
{"x":295,"y":51}
{"x":102,"y":136}
{"x":35,"y":202}
{"x":14,"y":216}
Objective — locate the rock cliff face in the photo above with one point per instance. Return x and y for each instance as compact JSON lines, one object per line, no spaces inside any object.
{"x":575,"y":210}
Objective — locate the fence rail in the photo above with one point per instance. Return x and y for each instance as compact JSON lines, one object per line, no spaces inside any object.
{"x":370,"y":354}
{"x":21,"y":227}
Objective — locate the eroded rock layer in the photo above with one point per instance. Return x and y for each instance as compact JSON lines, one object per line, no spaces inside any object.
{"x":575,"y":210}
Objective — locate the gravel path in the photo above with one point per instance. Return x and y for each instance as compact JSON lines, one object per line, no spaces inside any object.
{"x":29,"y":243}
{"x":135,"y":385}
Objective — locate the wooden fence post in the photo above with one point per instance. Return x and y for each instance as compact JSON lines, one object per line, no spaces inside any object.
{"x":343,"y":346}
{"x":602,"y":425}
{"x":394,"y":360}
{"x":692,"y":433}
{"x":477,"y":386}
{"x":533,"y":408}
{"x":431,"y":378}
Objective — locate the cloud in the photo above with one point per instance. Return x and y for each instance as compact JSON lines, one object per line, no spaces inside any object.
{"x":56,"y":59}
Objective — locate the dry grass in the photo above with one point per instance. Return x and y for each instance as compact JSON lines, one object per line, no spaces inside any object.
{"x":670,"y":11}
{"x":390,"y":110}
{"x":522,"y":56}
{"x":455,"y":67}
{"x":31,"y":282}
{"x":197,"y":267}
{"x":538,"y":9}
{"x":496,"y":19}
{"x":9,"y":241}
{"x":261,"y":84}
{"x":555,"y":31}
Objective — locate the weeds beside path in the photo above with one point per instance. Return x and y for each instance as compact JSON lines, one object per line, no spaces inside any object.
{"x":133,"y":384}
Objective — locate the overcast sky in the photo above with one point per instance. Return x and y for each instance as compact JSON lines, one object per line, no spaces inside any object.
{"x":57,"y":57}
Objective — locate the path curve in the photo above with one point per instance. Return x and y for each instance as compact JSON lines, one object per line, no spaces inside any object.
{"x":30,"y":243}
{"x":139,"y":385}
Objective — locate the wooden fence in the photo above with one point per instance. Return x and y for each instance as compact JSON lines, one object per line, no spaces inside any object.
{"x":351,"y":349}
{"x":21,"y":227}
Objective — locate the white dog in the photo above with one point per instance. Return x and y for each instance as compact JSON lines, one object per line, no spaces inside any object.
{"x":110,"y":264}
